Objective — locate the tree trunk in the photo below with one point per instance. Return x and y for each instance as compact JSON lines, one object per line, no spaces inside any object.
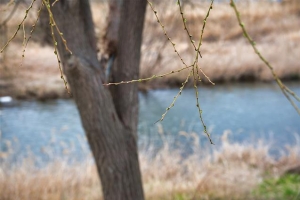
{"x":110,"y":123}
{"x":110,"y":37}
{"x":45,"y":36}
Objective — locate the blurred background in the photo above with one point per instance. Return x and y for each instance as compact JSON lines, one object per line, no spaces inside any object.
{"x":43,"y":150}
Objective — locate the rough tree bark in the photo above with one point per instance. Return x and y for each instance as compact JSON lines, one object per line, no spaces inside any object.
{"x":110,"y":37}
{"x":109,"y":117}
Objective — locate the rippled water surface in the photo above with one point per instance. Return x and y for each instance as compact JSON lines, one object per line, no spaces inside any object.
{"x":250,"y":111}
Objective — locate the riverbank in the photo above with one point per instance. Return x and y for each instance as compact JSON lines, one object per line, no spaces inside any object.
{"x":226,"y":54}
{"x":227,"y":171}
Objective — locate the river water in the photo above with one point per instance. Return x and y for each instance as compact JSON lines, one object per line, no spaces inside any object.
{"x":250,"y":111}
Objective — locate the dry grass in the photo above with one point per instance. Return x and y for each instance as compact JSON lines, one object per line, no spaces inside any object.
{"x":229,"y":171}
{"x":226,"y":54}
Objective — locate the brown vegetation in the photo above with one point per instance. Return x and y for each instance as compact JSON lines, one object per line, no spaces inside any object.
{"x":226,"y":54}
{"x":227,"y":171}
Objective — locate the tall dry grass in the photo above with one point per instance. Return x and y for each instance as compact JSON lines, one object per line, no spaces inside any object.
{"x":226,"y":55}
{"x":228,"y":171}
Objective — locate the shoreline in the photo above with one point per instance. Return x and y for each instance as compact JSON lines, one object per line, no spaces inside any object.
{"x":233,"y":170}
{"x":227,"y":57}
{"x":143,"y":88}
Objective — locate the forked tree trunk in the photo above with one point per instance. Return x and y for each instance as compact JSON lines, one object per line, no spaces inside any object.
{"x":110,"y":123}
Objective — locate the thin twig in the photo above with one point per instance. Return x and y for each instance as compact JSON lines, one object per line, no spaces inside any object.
{"x":52,"y":24}
{"x":175,"y":98}
{"x":285,"y":90}
{"x":31,"y":32}
{"x":149,"y":78}
{"x":19,"y":26}
{"x":11,"y":13}
{"x":165,"y":32}
{"x":186,"y":29}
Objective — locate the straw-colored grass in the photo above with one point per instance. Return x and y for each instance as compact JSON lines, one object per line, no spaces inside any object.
{"x":226,"y":54}
{"x":226,"y":171}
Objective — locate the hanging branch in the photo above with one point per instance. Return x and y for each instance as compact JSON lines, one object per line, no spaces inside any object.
{"x":52,"y":25}
{"x":194,"y":71}
{"x":288,"y":93}
{"x":10,"y":14}
{"x":19,"y":26}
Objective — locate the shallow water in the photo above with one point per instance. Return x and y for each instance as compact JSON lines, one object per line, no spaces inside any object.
{"x":251,"y":111}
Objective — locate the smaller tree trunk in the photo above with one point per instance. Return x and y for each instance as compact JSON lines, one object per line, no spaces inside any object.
{"x":110,"y":37}
{"x":3,"y":40}
{"x":46,"y":38}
